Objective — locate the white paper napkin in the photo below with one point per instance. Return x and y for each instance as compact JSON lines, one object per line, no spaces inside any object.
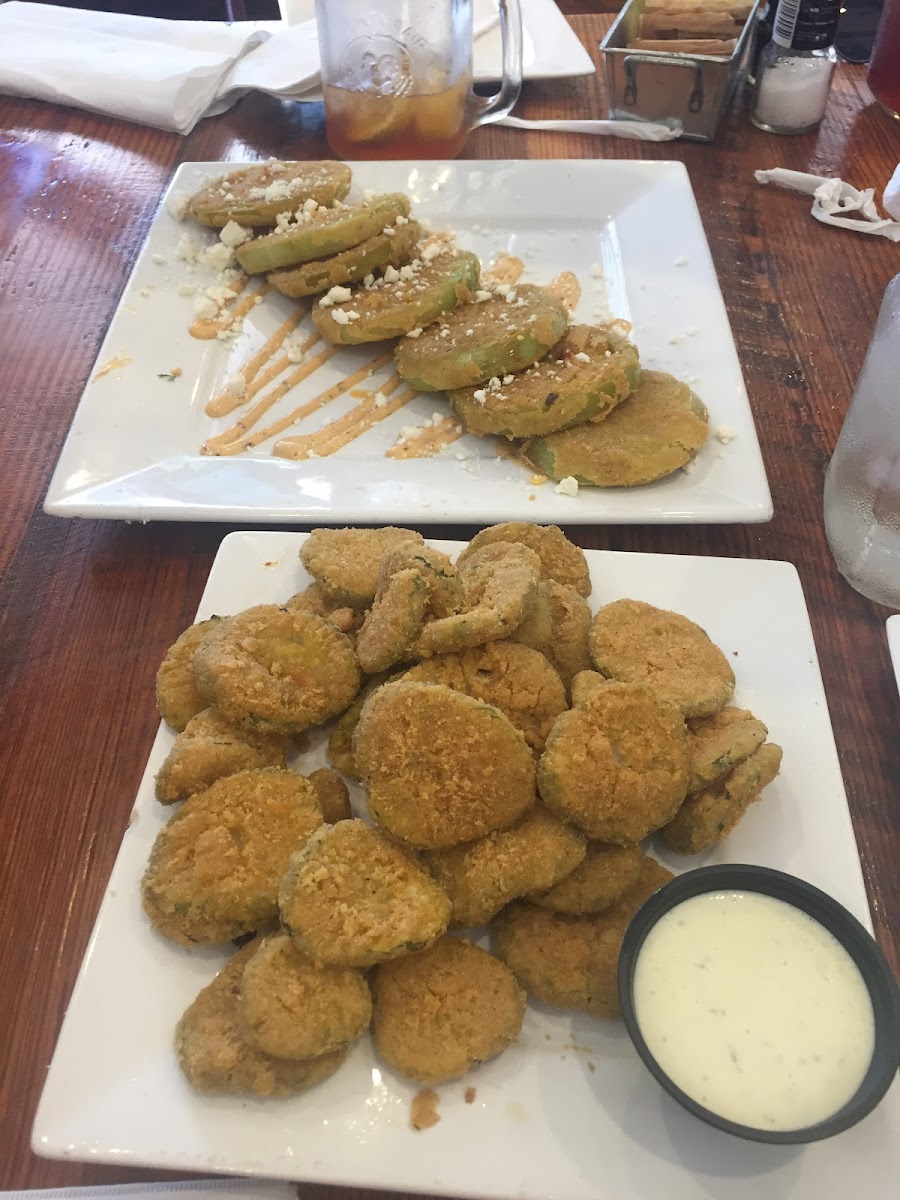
{"x":641,"y":131}
{"x":837,"y":203}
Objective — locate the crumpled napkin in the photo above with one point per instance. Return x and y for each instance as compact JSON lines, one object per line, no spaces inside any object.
{"x":641,"y":131}
{"x":834,"y":201}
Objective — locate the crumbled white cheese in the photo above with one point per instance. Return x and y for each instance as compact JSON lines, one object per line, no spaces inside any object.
{"x":391,"y":274}
{"x":336,"y":295}
{"x":204,"y":307}
{"x":676,"y":339}
{"x":681,"y":261}
{"x":177,"y":203}
{"x":567,"y":486}
{"x":414,"y":333}
{"x":216,"y":257}
{"x":481,"y":295}
{"x":186,"y":289}
{"x":380,"y":400}
{"x":726,"y":434}
{"x":236,"y":384}
{"x":430,"y":251}
{"x":278,"y":189}
{"x":582,"y":357}
{"x":233,"y":234}
{"x":508,"y":378}
{"x":480,"y":395}
{"x":401,"y":220}
{"x":597,"y":271}
{"x":187,"y":248}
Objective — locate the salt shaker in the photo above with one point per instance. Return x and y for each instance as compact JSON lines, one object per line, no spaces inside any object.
{"x":795,"y":69}
{"x":862,"y":484}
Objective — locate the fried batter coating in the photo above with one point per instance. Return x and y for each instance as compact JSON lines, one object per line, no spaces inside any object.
{"x":277,"y":670}
{"x":637,"y":643}
{"x":290,"y":1008}
{"x":707,"y":817}
{"x":214,"y":870}
{"x":718,"y":743}
{"x":314,"y":600}
{"x":446,"y":593}
{"x":514,"y":678}
{"x":560,"y":559}
{"x":500,"y":584}
{"x":345,"y":561}
{"x":394,"y":623}
{"x":536,"y":627}
{"x":352,"y":897}
{"x":570,"y":627}
{"x":568,"y":961}
{"x":597,"y":883}
{"x":177,"y":697}
{"x":441,"y":1012}
{"x":340,"y":741}
{"x":334,"y":798}
{"x":210,"y":748}
{"x":617,"y":764}
{"x":241,"y":195}
{"x":214,"y":1054}
{"x":585,"y":684}
{"x":481,"y":877}
{"x":441,"y":767}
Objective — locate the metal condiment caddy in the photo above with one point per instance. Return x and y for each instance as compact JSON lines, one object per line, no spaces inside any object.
{"x":650,"y":85}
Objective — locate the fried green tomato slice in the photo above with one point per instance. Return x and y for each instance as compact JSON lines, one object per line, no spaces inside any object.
{"x":568,"y":646}
{"x":177,"y":697}
{"x":345,"y":562}
{"x":617,"y":765}
{"x":277,"y":670}
{"x":382,"y":250}
{"x":317,"y":235}
{"x":500,"y":585}
{"x":572,"y":961}
{"x":291,"y":1008}
{"x":441,"y":768}
{"x":482,"y":341}
{"x":657,"y":430}
{"x":602,"y":878}
{"x":215,"y":869}
{"x":584,"y":377}
{"x":398,"y":301}
{"x":334,"y":798}
{"x":254,"y":196}
{"x":439,"y":1013}
{"x":216,"y":1057}
{"x":352,"y":897}
{"x":210,"y":748}
{"x":638,"y":643}
{"x":512,"y":677}
{"x":707,"y":817}
{"x":719,"y":742}
{"x":394,"y":622}
{"x":483,"y":876}
{"x":561,"y":560}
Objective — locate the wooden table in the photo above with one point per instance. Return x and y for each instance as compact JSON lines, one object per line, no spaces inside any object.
{"x":87,"y":608}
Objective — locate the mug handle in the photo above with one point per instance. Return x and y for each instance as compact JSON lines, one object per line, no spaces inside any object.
{"x":492,"y":108}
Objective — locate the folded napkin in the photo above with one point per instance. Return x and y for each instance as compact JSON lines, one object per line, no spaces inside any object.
{"x":641,"y":131}
{"x":837,"y":203}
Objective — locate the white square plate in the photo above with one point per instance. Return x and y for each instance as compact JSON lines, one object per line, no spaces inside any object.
{"x":568,"y":1112}
{"x":893,"y":636}
{"x":133,"y":447}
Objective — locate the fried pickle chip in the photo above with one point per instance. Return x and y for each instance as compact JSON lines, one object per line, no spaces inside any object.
{"x":210,"y":748}
{"x":719,"y":742}
{"x":585,"y":684}
{"x":482,"y":341}
{"x":561,"y":560}
{"x":397,"y":301}
{"x":352,"y":897}
{"x":345,"y":561}
{"x":394,"y":623}
{"x":514,"y":678}
{"x":334,"y":797}
{"x":657,"y":430}
{"x":637,"y":643}
{"x":177,"y":697}
{"x":255,"y":196}
{"x":216,"y":1057}
{"x":446,"y":593}
{"x":441,"y":1012}
{"x":441,"y":767}
{"x":481,"y":877}
{"x":535,"y":630}
{"x":707,"y":817}
{"x":381,"y":250}
{"x":290,"y":1008}
{"x":277,"y":670}
{"x":597,"y":883}
{"x":617,"y":764}
{"x":215,"y":869}
{"x":314,"y":600}
{"x":316,"y":235}
{"x":568,"y":646}
{"x":568,"y":961}
{"x":340,"y":740}
{"x":583,"y":378}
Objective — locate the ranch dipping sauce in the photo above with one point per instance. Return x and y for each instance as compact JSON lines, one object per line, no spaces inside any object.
{"x":754,"y":1009}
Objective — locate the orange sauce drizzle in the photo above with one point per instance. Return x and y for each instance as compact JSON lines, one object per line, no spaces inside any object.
{"x":334,"y":436}
{"x":205,"y":328}
{"x":428,"y":441}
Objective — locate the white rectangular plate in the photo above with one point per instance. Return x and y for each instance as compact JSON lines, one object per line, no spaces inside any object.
{"x":133,"y":447}
{"x":568,"y":1112}
{"x":893,"y":637}
{"x":550,"y":47}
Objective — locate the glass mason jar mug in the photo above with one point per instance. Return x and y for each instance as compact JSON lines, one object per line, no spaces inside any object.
{"x":397,"y":76}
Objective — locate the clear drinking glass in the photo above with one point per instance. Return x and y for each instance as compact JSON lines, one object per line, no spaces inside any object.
{"x":862,"y":484}
{"x":397,"y":75}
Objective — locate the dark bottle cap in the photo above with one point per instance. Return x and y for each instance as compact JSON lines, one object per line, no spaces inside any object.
{"x":806,"y":24}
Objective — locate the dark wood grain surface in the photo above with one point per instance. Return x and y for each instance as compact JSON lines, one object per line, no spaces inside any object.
{"x":87,"y":608}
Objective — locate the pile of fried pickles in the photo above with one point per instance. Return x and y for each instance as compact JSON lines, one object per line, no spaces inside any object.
{"x":571,"y":396}
{"x":515,"y":749}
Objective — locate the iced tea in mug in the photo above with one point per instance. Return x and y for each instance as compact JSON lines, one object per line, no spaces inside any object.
{"x":884,"y":65}
{"x":397,"y":75}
